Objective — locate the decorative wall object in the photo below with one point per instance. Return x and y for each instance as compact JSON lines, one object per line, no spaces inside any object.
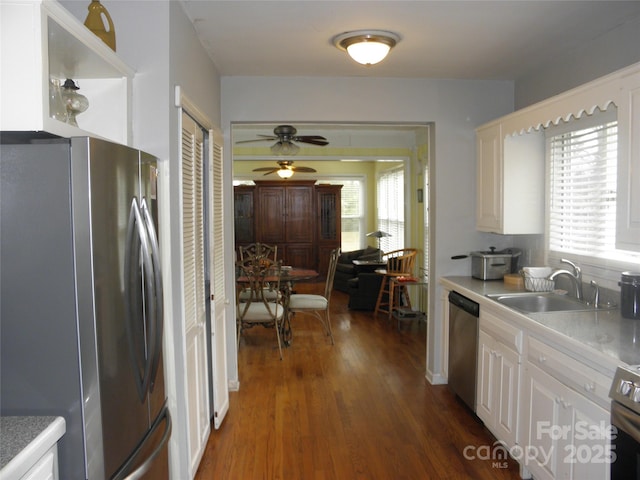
{"x":95,"y":22}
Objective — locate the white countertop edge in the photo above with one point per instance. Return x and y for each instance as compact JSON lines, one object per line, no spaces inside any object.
{"x":23,"y":461}
{"x":590,"y":356}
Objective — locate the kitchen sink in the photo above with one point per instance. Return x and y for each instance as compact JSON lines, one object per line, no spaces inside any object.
{"x":535,"y":302}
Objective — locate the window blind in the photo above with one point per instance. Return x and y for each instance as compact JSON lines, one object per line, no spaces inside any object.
{"x":390,"y":207}
{"x":582,"y":190}
{"x":350,"y":212}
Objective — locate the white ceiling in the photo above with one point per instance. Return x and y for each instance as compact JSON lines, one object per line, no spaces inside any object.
{"x":443,"y":39}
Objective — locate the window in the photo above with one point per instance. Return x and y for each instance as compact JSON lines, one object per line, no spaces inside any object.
{"x":390,"y":208}
{"x":351,"y":212}
{"x":583,"y":159}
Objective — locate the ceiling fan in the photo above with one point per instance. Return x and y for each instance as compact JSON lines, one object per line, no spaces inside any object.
{"x":285,"y":136}
{"x":285,"y":170}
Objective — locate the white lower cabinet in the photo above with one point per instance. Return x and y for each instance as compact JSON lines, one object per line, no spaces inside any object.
{"x":566,"y":435}
{"x":499,"y":359}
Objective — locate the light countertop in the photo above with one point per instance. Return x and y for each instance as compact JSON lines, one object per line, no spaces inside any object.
{"x":602,"y":335}
{"x":23,"y":441}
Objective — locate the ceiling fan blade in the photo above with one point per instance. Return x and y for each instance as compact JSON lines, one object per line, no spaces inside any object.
{"x":303,"y":169}
{"x":309,"y":137}
{"x":265,"y":139}
{"x":266,"y":169}
{"x":312,"y":139}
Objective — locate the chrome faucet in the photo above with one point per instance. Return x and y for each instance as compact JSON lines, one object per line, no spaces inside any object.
{"x":575,"y":276}
{"x":596,"y":294}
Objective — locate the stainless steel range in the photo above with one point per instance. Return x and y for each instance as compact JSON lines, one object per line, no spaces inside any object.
{"x":625,"y":418}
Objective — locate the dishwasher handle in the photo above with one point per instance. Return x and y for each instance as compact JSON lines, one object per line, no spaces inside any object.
{"x":464,"y":303}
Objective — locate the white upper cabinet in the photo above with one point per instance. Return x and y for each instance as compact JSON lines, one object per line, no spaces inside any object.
{"x":511,"y":157}
{"x":510,"y":188}
{"x":41,"y":41}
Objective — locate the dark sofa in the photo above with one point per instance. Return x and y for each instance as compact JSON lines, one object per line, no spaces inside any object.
{"x":346,"y":270}
{"x":363,"y":291}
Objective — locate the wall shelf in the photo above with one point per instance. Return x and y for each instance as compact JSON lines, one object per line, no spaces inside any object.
{"x":40,"y":40}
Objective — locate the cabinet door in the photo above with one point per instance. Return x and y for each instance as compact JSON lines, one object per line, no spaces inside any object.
{"x":585,"y":453}
{"x":328,"y":201}
{"x":45,"y":468}
{"x":243,"y":215}
{"x":270,"y":220}
{"x":497,"y":388}
{"x":299,"y":215}
{"x":300,"y":256}
{"x":329,"y":223}
{"x":507,"y":386}
{"x":567,"y":434}
{"x":485,"y":385}
{"x":489,"y":181}
{"x":542,"y":417}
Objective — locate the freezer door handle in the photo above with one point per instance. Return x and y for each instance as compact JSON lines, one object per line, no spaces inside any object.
{"x":158,"y":319}
{"x":138,"y":243}
{"x":124,"y":472}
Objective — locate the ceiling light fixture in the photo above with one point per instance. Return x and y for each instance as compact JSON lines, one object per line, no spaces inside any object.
{"x":366,"y":47}
{"x":285,"y":172}
{"x":285,"y":148}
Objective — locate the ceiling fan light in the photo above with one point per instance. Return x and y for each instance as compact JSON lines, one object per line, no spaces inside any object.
{"x":285,"y":173}
{"x":367,"y":47}
{"x":285,"y":148}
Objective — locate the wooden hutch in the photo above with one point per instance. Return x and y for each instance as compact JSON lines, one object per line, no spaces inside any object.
{"x":300,"y":217}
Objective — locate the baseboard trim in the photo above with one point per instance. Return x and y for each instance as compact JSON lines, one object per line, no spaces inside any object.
{"x":435,"y":379}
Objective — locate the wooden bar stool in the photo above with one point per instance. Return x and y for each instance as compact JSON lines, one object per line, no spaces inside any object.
{"x":399,"y":263}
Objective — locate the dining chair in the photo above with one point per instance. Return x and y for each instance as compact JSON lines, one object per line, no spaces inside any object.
{"x":261,"y":303}
{"x":317,"y":305}
{"x":261,"y":255}
{"x":258,"y":252}
{"x":399,"y":263}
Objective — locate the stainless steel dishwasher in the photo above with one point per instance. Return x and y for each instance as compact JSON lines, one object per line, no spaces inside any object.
{"x":463,"y":347}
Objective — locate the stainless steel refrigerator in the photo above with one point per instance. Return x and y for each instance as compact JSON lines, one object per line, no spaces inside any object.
{"x":81,"y":320}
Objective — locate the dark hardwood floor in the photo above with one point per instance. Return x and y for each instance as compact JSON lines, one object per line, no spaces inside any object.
{"x":360,"y":409}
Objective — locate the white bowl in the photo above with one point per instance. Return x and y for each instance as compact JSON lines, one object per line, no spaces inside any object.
{"x":537,"y":272}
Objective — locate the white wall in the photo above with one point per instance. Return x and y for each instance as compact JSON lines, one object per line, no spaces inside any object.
{"x":455,"y":106}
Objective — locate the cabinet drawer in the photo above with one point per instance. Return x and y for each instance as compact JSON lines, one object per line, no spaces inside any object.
{"x":46,"y":467}
{"x":570,"y":372}
{"x":502,"y":331}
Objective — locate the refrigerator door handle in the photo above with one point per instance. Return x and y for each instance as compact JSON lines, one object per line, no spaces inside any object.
{"x":157,"y":275}
{"x":124,"y":472}
{"x":136,"y":244}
